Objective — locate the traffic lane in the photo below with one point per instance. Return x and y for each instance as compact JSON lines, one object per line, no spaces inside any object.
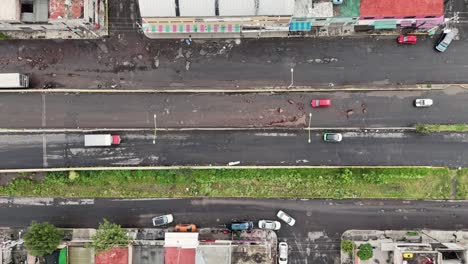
{"x":252,"y":148}
{"x":314,"y":238}
{"x":372,"y":109}
{"x":264,"y":62}
{"x":22,"y":151}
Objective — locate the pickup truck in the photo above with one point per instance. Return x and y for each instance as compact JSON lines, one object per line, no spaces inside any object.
{"x":101,"y":140}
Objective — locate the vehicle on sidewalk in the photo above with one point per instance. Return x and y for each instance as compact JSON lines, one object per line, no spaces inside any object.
{"x":286,"y":218}
{"x":101,"y":140}
{"x":163,"y":220}
{"x":269,"y":224}
{"x":282,"y":253}
{"x":407,"y":39}
{"x":445,"y":39}
{"x":14,"y":80}
{"x":316,"y":103}
{"x":332,"y":137}
{"x":423,"y":102}
{"x":239,"y":226}
{"x":185,"y":228}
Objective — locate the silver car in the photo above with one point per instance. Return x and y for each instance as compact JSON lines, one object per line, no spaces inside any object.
{"x":445,"y":39}
{"x":269,"y":224}
{"x":283,"y":253}
{"x":163,"y":220}
{"x":286,"y":218}
{"x":423,"y":102}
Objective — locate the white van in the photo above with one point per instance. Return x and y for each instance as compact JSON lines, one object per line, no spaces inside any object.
{"x":13,"y":80}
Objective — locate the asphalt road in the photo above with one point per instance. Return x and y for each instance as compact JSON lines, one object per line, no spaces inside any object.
{"x":259,"y":147}
{"x":314,"y":239}
{"x":129,"y":61}
{"x":372,"y":109}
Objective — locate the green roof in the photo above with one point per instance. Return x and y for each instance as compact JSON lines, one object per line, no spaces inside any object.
{"x":350,"y":8}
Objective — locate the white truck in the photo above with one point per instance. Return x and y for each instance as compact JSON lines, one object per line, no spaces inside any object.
{"x":101,"y":140}
{"x":13,"y":80}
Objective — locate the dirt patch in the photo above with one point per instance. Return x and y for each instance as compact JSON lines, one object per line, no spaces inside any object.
{"x":7,"y":178}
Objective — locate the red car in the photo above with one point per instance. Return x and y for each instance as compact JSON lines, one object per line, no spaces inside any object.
{"x":320,"y":103}
{"x":407,"y":39}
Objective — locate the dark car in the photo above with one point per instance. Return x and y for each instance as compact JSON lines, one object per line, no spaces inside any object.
{"x":237,"y":226}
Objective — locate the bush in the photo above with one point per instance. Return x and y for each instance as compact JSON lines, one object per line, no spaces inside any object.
{"x":109,"y":235}
{"x":423,"y":129}
{"x":42,"y":238}
{"x":347,"y":246}
{"x":3,"y":36}
{"x":365,"y":251}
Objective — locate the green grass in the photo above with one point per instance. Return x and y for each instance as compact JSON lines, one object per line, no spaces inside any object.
{"x":3,"y":36}
{"x":286,"y":183}
{"x":428,"y":128}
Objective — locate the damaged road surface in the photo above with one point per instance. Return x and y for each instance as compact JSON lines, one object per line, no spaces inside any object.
{"x":136,"y":110}
{"x":246,"y":148}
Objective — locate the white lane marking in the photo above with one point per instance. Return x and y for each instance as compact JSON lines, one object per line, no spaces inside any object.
{"x":375,"y":135}
{"x":275,"y":134}
{"x":43,"y":110}
{"x":77,"y":202}
{"x":44,"y":151}
{"x":28,"y":201}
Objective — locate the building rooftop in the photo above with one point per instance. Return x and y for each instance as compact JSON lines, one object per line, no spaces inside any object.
{"x":401,"y":8}
{"x":66,"y":9}
{"x":10,"y":10}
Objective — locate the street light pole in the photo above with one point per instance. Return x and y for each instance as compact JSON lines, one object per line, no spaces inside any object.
{"x":310,"y":120}
{"x":155,"y":127}
{"x":292,"y":78}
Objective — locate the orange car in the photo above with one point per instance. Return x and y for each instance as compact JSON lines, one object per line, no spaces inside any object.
{"x":185,"y":228}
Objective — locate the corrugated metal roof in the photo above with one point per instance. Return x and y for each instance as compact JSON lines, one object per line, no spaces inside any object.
{"x":157,"y":8}
{"x":197,"y":8}
{"x":237,"y":8}
{"x":10,"y":10}
{"x":276,"y":7}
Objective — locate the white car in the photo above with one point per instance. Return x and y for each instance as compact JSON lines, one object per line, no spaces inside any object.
{"x":283,"y":253}
{"x":163,"y":220}
{"x":423,"y":102}
{"x":269,"y":224}
{"x":286,"y":218}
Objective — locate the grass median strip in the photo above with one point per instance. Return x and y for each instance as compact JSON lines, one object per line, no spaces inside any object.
{"x":430,"y":128}
{"x":424,"y":183}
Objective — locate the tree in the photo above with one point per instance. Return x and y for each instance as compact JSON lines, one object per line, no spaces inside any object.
{"x":365,"y":251}
{"x":109,"y":235}
{"x":42,"y":238}
{"x":347,"y":246}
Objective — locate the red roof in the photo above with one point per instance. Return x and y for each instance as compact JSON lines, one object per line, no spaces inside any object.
{"x":174,"y":255}
{"x":402,"y":8}
{"x":114,"y":256}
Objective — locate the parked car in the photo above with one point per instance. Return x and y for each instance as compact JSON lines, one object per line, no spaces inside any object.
{"x":286,"y":218}
{"x":269,"y":224}
{"x":283,"y":253}
{"x":423,"y":102}
{"x":316,"y":103}
{"x":332,"y":137}
{"x":185,"y":228}
{"x":163,"y":220}
{"x":237,"y":226}
{"x":407,"y":39}
{"x":445,"y":39}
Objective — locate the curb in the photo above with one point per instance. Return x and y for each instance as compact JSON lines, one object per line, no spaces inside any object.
{"x":204,"y":168}
{"x":87,"y":130}
{"x":253,"y":90}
